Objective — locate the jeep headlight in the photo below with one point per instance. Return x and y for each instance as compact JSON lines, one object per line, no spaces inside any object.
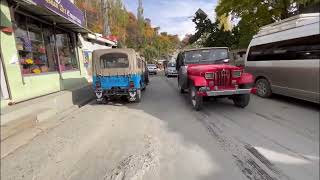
{"x":236,"y":74}
{"x":209,"y":75}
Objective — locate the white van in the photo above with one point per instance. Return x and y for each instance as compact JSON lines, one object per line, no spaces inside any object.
{"x":284,"y":58}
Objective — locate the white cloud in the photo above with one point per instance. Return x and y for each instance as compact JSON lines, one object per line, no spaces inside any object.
{"x":175,"y":16}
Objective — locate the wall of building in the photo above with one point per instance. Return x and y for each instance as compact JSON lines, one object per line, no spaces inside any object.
{"x":89,"y":47}
{"x":27,"y":87}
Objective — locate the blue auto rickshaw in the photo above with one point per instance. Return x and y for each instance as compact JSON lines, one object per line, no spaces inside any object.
{"x":118,"y":73}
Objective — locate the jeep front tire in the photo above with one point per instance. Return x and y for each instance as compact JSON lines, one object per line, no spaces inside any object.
{"x":196,"y":100}
{"x":241,"y":100}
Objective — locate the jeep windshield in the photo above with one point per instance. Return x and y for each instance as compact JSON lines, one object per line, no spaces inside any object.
{"x":206,"y":56}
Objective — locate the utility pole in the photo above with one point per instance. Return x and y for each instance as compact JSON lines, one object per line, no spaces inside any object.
{"x":140,"y":11}
{"x":105,"y":6}
{"x":85,"y":12}
{"x":140,"y":23}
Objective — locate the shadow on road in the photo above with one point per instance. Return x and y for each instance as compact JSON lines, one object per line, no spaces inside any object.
{"x":271,"y":128}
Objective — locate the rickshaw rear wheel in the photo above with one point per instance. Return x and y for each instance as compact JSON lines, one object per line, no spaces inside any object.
{"x":138,"y":96}
{"x":143,"y":87}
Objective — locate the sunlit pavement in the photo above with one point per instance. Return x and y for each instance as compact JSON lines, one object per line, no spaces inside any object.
{"x":163,"y":138}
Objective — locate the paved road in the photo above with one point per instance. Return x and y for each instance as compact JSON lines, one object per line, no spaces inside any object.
{"x":162,"y":138}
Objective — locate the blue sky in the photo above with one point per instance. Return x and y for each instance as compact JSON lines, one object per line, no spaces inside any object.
{"x":173,"y":16}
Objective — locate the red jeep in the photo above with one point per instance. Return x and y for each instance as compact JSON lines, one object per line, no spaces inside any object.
{"x":206,"y":72}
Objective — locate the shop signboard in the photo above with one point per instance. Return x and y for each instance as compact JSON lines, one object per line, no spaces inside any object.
{"x":63,"y":8}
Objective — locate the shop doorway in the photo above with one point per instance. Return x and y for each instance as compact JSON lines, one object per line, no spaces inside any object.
{"x":4,"y":87}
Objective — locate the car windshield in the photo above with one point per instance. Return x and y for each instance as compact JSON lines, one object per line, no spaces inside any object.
{"x":207,"y":56}
{"x":171,"y":65}
{"x":151,"y":65}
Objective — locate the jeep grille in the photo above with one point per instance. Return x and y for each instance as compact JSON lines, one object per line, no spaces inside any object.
{"x":222,"y":78}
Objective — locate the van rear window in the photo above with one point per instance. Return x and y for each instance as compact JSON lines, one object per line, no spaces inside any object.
{"x":114,"y":60}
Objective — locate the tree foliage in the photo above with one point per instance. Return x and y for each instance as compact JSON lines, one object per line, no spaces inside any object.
{"x":253,"y":14}
{"x":131,"y":32}
{"x":210,"y":34}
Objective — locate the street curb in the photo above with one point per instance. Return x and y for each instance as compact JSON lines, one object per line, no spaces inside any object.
{"x":47,"y":106}
{"x":12,"y":143}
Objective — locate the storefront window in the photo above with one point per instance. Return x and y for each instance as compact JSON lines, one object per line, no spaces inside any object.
{"x":34,"y":54}
{"x":66,"y":51}
{"x":40,"y":48}
{"x":49,"y":43}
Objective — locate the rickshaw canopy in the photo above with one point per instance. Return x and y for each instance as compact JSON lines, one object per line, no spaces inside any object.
{"x":112,"y":62}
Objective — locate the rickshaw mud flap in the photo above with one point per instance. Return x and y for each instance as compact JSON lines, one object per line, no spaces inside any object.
{"x":99,"y":94}
{"x":132,"y":95}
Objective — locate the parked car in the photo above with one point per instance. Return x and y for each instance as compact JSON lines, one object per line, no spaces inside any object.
{"x":152,"y":69}
{"x":205,"y":72}
{"x":118,"y":72}
{"x":284,"y":57}
{"x":171,"y":70}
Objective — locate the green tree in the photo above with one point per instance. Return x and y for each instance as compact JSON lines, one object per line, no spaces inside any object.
{"x":132,"y":32}
{"x":150,"y":53}
{"x":253,"y":14}
{"x":210,"y":34}
{"x":118,"y":20}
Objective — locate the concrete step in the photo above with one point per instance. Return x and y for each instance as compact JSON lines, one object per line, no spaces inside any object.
{"x":20,"y":122}
{"x":14,"y":127}
{"x":21,"y":131}
{"x":47,"y":106}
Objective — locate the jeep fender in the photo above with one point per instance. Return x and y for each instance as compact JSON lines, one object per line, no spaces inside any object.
{"x":198,"y":81}
{"x":246,"y":78}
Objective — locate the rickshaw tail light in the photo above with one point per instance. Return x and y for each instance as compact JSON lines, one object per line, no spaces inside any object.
{"x":131,"y":85}
{"x":98,"y":84}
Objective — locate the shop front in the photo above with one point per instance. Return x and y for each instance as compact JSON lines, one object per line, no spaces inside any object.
{"x":42,"y":54}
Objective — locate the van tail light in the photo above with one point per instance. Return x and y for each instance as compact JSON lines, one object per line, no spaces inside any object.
{"x":131,"y":85}
{"x":98,"y":84}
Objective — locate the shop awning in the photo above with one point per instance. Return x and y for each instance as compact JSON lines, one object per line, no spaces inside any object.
{"x":98,"y":38}
{"x":61,"y":12}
